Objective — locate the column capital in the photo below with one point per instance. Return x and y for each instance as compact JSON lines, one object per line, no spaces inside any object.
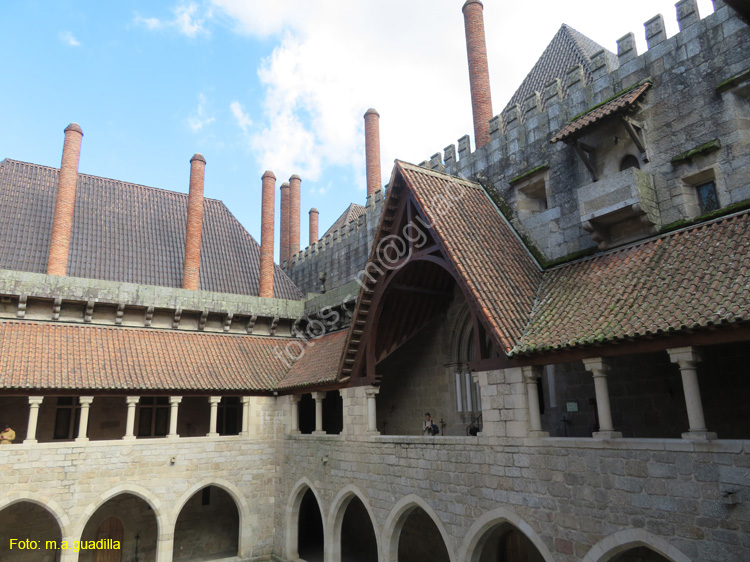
{"x":318,"y":396}
{"x":372,"y":391}
{"x":245,"y":399}
{"x":175,"y":399}
{"x":598,"y":366}
{"x":132,"y":400}
{"x":685,"y":357}
{"x":214,"y":399}
{"x":532,"y":372}
{"x":294,"y":398}
{"x":85,"y":400}
{"x":35,"y":400}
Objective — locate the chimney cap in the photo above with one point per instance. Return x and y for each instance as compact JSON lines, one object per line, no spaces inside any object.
{"x":74,"y":127}
{"x":268,"y":174}
{"x":314,"y":210}
{"x":284,"y":185}
{"x":294,"y":177}
{"x":199,"y":157}
{"x":372,"y":111}
{"x":472,"y":2}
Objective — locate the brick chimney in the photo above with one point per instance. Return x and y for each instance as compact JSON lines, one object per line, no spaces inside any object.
{"x":194,"y":230}
{"x":294,"y":214}
{"x":372,"y":150}
{"x":479,"y":74}
{"x":313,"y":225}
{"x":284,"y":229}
{"x":266,"y":235}
{"x":62,"y":224}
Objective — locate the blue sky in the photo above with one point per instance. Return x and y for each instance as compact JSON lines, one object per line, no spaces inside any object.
{"x":256,"y":85}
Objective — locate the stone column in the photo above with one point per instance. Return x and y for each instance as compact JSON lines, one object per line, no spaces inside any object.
{"x":687,"y":359}
{"x":214,"y":402}
{"x":34,"y":402}
{"x":245,"y":416}
{"x":132,"y":402}
{"x":318,"y":397}
{"x":371,"y":392}
{"x":83,"y":422}
{"x":530,"y":375}
{"x":174,"y":403}
{"x":294,"y":400}
{"x":598,"y":366}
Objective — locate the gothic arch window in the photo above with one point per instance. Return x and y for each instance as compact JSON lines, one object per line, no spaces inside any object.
{"x":629,"y":161}
{"x":467,"y":391}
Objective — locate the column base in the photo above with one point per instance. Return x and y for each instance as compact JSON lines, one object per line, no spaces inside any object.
{"x":212,"y":434}
{"x":607,"y":435}
{"x":373,"y":432}
{"x":319,"y":433}
{"x":699,"y":435}
{"x":295,"y":432}
{"x":173,"y":436}
{"x":539,"y":433}
{"x":30,"y":441}
{"x":82,"y":439}
{"x":129,"y":438}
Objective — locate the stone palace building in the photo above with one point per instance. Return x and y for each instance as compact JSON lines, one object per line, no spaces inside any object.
{"x":570,"y":300}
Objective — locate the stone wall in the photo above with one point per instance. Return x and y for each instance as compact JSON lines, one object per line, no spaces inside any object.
{"x":575,"y":499}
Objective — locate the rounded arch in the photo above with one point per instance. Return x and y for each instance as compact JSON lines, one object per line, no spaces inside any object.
{"x":480,"y":531}
{"x":292,"y":515}
{"x":395,"y":522}
{"x":63,"y":521}
{"x":163,"y":522}
{"x":234,"y":492}
{"x":615,"y":544}
{"x":337,"y":511}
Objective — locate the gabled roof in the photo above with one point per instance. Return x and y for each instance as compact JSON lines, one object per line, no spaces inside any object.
{"x":43,"y":355}
{"x":352,"y":212}
{"x":567,"y":49}
{"x":125,"y":232}
{"x":619,"y":104}
{"x":689,"y":279}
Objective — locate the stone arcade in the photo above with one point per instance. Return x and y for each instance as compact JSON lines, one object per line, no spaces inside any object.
{"x":570,"y":301}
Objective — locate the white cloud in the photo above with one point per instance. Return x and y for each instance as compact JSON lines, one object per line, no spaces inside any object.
{"x":188,"y":20}
{"x":198,"y":120}
{"x":69,"y":39}
{"x":242,"y":118}
{"x":335,"y":59}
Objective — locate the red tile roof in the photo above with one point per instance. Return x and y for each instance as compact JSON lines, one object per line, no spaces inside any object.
{"x":59,"y":356}
{"x":496,"y":267}
{"x":352,"y":213}
{"x":619,"y":104}
{"x":689,"y":279}
{"x":318,"y":365}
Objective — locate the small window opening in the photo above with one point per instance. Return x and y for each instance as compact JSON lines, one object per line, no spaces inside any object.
{"x":629,"y":161}
{"x":707,"y":198}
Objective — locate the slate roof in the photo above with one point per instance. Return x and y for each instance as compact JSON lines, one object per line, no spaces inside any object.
{"x":690,"y":279}
{"x":43,"y":355}
{"x":619,"y":104}
{"x":352,"y":212}
{"x":567,"y":49}
{"x":125,"y":232}
{"x":496,"y":267}
{"x":319,"y":364}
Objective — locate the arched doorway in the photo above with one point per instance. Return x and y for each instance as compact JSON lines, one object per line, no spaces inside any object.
{"x":131,"y":517}
{"x":420,"y":539}
{"x":505,"y":543}
{"x":640,"y":554}
{"x":111,"y":529}
{"x":28,"y":520}
{"x":358,"y":542}
{"x":310,"y":529}
{"x":208,"y":526}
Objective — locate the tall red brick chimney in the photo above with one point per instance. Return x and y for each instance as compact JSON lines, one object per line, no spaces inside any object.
{"x":62,"y":224}
{"x":372,"y":150}
{"x":294,"y":214}
{"x":194,"y":230}
{"x":284,"y":228}
{"x":479,"y":74}
{"x":314,"y":215}
{"x":266,"y":235}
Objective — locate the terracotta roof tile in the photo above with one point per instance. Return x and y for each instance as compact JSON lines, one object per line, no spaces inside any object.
{"x":689,"y":279}
{"x":495,"y":265}
{"x":616,"y":105}
{"x":319,"y":364}
{"x":60,"y":356}
{"x":352,"y":213}
{"x":125,"y":232}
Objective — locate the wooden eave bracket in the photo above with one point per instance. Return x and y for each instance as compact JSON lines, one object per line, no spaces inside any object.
{"x":635,"y":130}
{"x":584,"y":152}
